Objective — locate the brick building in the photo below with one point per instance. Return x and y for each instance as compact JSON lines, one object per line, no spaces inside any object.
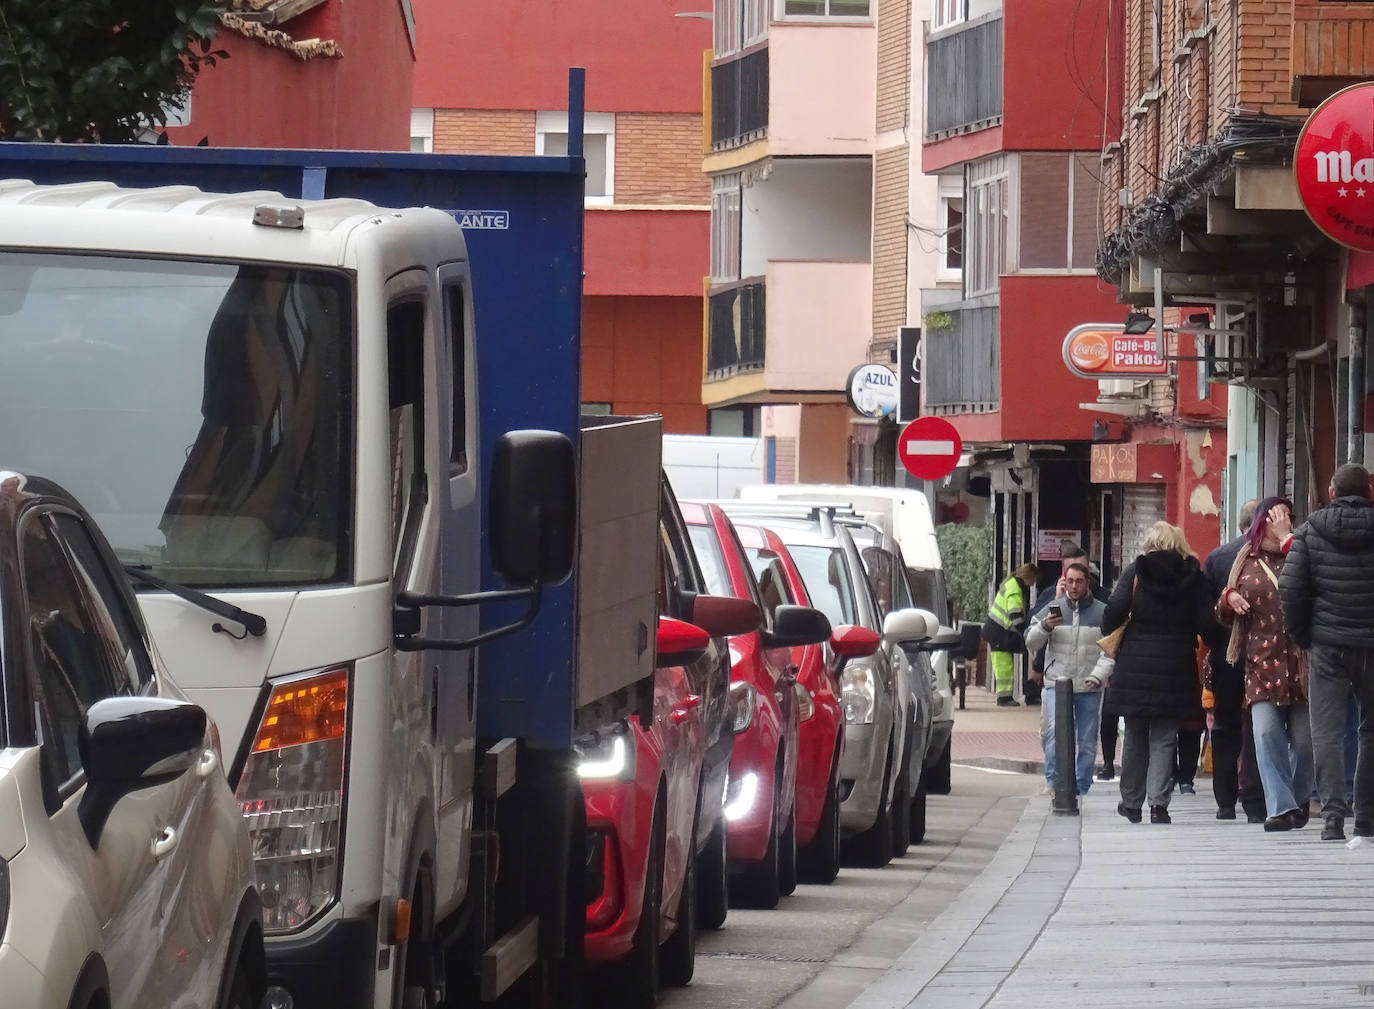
{"x":493,"y":80}
{"x":1205,"y":220}
{"x":346,"y":69}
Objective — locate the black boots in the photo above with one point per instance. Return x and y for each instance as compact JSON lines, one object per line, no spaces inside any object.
{"x":1160,"y":814}
{"x":1131,"y":814}
{"x":1008,"y":702}
{"x":1108,"y":773}
{"x":1226,"y":812}
{"x":1284,"y":821}
{"x":1333,"y":828}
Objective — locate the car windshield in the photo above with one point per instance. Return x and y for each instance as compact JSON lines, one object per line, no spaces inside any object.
{"x":826,"y":577}
{"x":196,"y":409}
{"x":707,"y":548}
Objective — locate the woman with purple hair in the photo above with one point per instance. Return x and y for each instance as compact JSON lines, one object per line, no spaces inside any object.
{"x":1275,"y":667}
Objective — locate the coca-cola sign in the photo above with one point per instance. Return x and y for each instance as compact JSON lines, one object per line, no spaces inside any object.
{"x":1335,"y":167}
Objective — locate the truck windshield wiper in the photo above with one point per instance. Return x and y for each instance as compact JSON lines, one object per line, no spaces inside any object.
{"x":252,"y":623}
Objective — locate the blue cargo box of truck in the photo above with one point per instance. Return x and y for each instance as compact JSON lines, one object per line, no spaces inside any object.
{"x":522,"y":218}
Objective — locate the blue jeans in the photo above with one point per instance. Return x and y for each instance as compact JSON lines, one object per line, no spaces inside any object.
{"x":1283,"y":747}
{"x":1087,"y":709}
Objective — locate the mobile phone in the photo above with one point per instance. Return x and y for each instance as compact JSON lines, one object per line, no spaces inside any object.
{"x":1055,"y":611}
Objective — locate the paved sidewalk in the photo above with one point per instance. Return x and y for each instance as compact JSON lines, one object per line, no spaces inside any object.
{"x":1007,"y":739}
{"x":1095,"y":911}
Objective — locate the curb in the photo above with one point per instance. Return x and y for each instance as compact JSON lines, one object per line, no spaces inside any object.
{"x":1014,"y":764}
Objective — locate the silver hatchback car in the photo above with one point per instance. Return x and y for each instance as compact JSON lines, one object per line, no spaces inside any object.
{"x":126,"y":878}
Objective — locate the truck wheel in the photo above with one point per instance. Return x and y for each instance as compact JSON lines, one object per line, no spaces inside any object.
{"x":873,"y":847}
{"x":759,"y":884}
{"x":713,"y":880}
{"x":901,"y":813}
{"x":679,"y":954}
{"x":918,"y":813}
{"x":937,"y":774}
{"x":636,"y":977}
{"x":820,"y":860}
{"x":787,"y":857}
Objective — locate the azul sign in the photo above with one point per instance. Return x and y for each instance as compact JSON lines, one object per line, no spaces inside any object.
{"x":1334,"y":165}
{"x":1102,"y":350}
{"x":872,"y":390}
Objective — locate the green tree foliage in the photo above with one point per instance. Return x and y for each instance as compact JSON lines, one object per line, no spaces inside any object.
{"x":966,"y":551}
{"x":99,"y":70}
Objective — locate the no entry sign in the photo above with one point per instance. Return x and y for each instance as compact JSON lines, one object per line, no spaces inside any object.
{"x":929,"y":448}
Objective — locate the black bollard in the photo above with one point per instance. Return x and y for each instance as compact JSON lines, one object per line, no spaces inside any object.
{"x":1065,"y":747}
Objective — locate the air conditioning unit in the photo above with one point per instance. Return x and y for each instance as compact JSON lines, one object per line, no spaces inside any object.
{"x":1120,"y":388}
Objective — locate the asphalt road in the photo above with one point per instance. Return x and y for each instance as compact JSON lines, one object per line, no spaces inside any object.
{"x":761,"y":959}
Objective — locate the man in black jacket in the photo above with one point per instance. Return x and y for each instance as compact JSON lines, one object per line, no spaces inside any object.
{"x":1235,"y":773}
{"x":1327,"y":590}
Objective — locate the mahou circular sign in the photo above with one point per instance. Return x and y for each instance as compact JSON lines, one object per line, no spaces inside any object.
{"x":1335,"y":167}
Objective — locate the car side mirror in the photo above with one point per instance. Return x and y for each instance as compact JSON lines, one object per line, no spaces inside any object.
{"x":533,"y":507}
{"x":797,"y":625}
{"x":903,"y":627}
{"x":129,"y":743}
{"x":725,"y":616}
{"x":679,"y":643}
{"x":849,"y":641}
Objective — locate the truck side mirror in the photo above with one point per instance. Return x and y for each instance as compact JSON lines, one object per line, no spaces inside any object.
{"x":533,"y":507}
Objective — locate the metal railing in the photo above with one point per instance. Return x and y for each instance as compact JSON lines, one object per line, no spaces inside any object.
{"x":736,"y":330}
{"x":963,"y":357}
{"x":964,"y":77}
{"x":739,"y":100}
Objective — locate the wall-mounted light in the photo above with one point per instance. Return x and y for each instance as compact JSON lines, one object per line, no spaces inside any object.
{"x":1138,"y":323}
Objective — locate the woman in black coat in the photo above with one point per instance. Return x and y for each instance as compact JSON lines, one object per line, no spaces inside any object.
{"x":1155,"y":683}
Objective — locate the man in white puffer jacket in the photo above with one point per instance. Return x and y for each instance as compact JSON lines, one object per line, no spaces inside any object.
{"x":1068,"y":629}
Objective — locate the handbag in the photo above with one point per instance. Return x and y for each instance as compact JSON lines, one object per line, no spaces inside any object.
{"x":1111,"y":643}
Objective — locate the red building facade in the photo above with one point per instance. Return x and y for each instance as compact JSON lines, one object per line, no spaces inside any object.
{"x":492,"y":79}
{"x":334,"y":75}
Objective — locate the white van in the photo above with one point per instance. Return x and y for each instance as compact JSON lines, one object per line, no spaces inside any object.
{"x":904,"y":513}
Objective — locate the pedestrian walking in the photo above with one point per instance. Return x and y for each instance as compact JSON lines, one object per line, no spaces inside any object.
{"x":1235,"y":770}
{"x":1275,"y":667}
{"x":1068,"y":631}
{"x":1164,"y":604}
{"x":1327,"y":591}
{"x":1005,"y":628}
{"x":1071,"y":552}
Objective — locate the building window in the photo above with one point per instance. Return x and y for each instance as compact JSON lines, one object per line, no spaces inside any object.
{"x":598,"y":148}
{"x":739,"y":24}
{"x":1059,"y":199}
{"x":421,"y":131}
{"x":951,"y":227}
{"x":725,"y":228}
{"x":987,"y":225}
{"x":948,"y":12}
{"x":827,"y":8}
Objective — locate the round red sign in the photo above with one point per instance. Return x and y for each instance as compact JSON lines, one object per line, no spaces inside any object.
{"x":1334,"y":163}
{"x":929,"y":448}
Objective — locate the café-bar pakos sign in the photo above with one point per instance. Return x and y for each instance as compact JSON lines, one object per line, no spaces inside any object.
{"x":1334,"y":164}
{"x":1103,"y":350}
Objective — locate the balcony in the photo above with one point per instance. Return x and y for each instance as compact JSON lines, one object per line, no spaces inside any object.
{"x":739,"y":100}
{"x":962,"y":363}
{"x":797,"y":343}
{"x":810,"y":90}
{"x":1332,"y":47}
{"x":735,"y":344}
{"x":964,"y":79}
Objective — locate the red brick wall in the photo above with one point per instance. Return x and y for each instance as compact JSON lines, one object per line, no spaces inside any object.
{"x":483,"y":131}
{"x":658,"y":159}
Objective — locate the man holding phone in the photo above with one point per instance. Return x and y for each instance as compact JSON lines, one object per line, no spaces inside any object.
{"x":1068,"y":629}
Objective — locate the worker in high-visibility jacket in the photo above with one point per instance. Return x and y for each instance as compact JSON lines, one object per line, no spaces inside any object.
{"x":1005,"y":627}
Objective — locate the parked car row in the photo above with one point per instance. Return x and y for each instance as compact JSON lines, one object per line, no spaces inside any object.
{"x":797,"y":724}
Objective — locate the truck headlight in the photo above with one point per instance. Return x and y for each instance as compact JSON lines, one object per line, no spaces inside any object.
{"x":606,"y":756}
{"x":291,"y":795}
{"x":856,"y":693}
{"x":744,"y":699}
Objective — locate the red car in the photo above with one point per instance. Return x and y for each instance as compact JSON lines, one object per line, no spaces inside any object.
{"x":642,"y":785}
{"x":821,"y":736}
{"x":760,"y":801}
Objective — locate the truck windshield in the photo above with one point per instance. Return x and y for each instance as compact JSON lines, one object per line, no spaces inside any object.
{"x":198,"y":410}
